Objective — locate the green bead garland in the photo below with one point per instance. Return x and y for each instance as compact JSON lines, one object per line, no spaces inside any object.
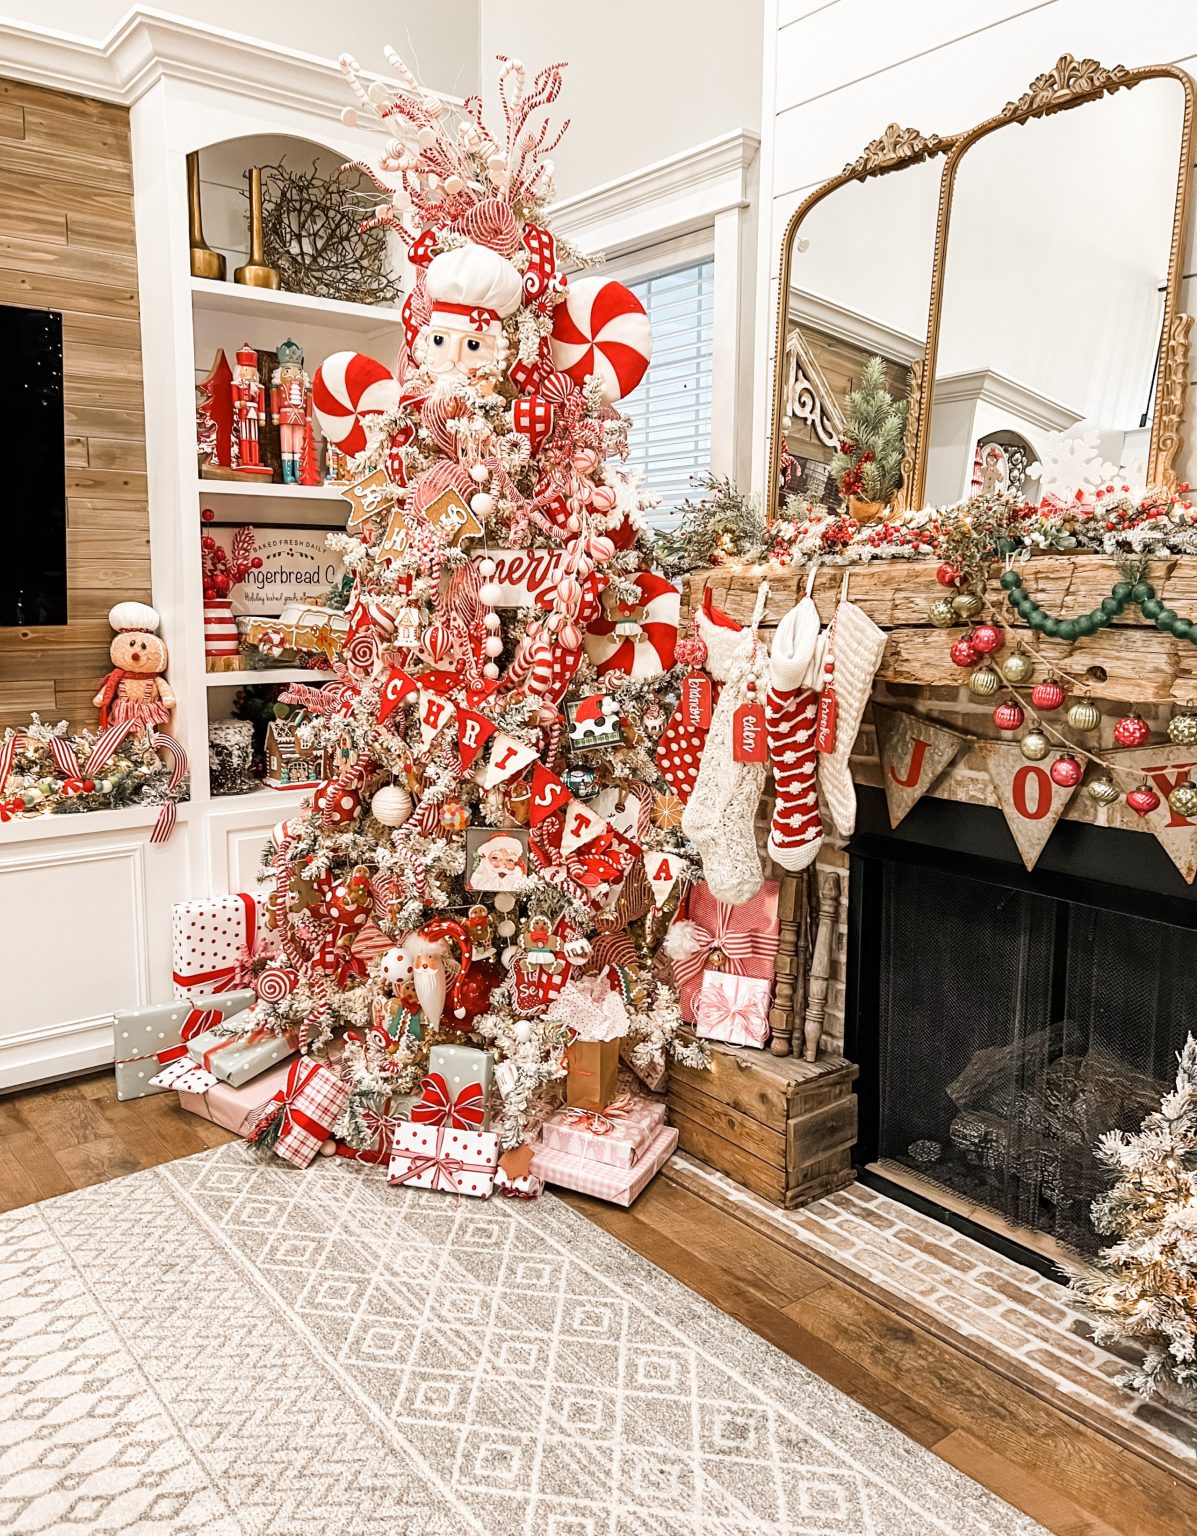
{"x":1142,"y":593}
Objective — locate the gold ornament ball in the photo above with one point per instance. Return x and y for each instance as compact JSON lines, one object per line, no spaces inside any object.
{"x":941,"y":613}
{"x":1034,"y":746}
{"x":1084,"y":715}
{"x":984,"y":682}
{"x":967,"y":605}
{"x":1182,"y":730}
{"x":1103,"y":791}
{"x":1018,"y":668}
{"x":1183,"y":799}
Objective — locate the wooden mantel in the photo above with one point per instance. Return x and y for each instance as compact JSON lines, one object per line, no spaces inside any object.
{"x":1142,"y":664}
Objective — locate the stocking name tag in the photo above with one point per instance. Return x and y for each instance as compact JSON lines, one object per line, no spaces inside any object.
{"x":825,"y":726}
{"x":748,"y":734}
{"x":696,"y":699}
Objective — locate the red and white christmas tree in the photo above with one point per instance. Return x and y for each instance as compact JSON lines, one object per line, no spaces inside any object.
{"x":510,"y":660}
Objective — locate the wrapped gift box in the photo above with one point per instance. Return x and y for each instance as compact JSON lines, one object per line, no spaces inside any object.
{"x":144,"y":1040}
{"x":435,"y":1157}
{"x":618,"y":1186}
{"x":382,"y":1123}
{"x":733,"y":1008}
{"x":238,"y":1059}
{"x":618,"y":1135}
{"x":592,"y":1074}
{"x":211,"y":940}
{"x":305,"y":1109}
{"x":739,"y":941}
{"x":237,"y":1109}
{"x":456,"y":1091}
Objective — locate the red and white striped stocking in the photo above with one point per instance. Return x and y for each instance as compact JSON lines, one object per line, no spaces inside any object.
{"x":791,"y":714}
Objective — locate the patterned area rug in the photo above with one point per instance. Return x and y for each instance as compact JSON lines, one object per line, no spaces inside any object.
{"x":228,"y":1346}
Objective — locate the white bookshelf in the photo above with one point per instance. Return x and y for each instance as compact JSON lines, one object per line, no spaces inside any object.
{"x":270,"y":491}
{"x":297,"y":310}
{"x":247,"y":676}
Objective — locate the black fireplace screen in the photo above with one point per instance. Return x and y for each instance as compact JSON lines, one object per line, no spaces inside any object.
{"x":1013,"y":1029}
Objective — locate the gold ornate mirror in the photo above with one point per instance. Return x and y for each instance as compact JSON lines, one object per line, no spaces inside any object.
{"x":857,"y":266}
{"x":1049,"y":245}
{"x":1055,"y":348}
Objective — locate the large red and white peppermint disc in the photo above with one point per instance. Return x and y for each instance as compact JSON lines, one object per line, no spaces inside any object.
{"x":600,"y":327}
{"x":346,"y":387}
{"x":652,"y":651}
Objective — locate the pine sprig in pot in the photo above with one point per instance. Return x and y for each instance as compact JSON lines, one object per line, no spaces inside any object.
{"x":868,"y":466}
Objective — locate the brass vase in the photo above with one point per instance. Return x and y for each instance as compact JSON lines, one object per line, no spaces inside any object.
{"x":256,"y":273}
{"x":205,"y":262}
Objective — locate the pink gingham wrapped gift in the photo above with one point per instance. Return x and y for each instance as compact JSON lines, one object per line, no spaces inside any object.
{"x":617,"y":1135}
{"x":436,"y":1157}
{"x":618,"y":1186}
{"x":733,"y":1008}
{"x":739,"y":941}
{"x":310,"y":1103}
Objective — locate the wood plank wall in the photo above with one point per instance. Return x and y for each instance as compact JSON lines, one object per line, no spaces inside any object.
{"x":67,"y":243}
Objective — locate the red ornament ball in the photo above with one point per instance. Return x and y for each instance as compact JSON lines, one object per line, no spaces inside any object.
{"x":986,"y":638}
{"x":207,"y":515}
{"x":948,"y":575}
{"x":1067,"y":771}
{"x":964,"y":654}
{"x":1132,"y":731}
{"x":1008,"y":716}
{"x":1047,"y":695}
{"x":1143,"y":799}
{"x":337,"y":804}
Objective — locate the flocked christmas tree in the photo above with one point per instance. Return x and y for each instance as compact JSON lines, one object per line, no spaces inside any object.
{"x":497,"y":858}
{"x":868,"y":465}
{"x":1145,"y":1294}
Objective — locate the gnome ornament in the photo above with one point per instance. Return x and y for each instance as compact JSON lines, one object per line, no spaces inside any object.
{"x":136,"y":689}
{"x":471,"y":290}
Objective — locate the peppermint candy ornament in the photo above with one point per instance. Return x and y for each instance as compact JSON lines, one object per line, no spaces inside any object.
{"x":276,"y":983}
{"x":636,"y":639}
{"x":347,"y":387}
{"x":601,"y":328}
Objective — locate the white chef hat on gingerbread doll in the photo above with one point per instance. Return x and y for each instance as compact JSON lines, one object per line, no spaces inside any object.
{"x":470,"y":291}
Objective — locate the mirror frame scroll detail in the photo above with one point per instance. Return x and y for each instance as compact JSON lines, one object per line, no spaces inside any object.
{"x":1070,"y":83}
{"x":894,"y":150}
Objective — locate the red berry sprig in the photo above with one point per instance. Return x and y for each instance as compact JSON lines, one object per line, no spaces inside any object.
{"x":224,"y":568}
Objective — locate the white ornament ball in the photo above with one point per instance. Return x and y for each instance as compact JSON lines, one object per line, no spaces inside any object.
{"x":454,"y":185}
{"x":482,"y":504}
{"x":493,"y":645}
{"x":426,"y":138}
{"x":492,"y":621}
{"x":349,"y":117}
{"x":394,"y":968}
{"x":490,"y":670}
{"x":504,"y":902}
{"x":377,"y":92}
{"x":392,"y":805}
{"x":521,"y":1030}
{"x":505,"y":929}
{"x":328,"y":1148}
{"x":490,"y":592}
{"x":479,"y":473}
{"x":486,"y":566}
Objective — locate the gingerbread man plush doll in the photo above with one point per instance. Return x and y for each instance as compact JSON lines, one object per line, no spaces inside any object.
{"x":136,"y":688}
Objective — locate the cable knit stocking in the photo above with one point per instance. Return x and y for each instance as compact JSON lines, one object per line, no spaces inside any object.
{"x":721,"y":815}
{"x":850,"y":664}
{"x":791,"y":709}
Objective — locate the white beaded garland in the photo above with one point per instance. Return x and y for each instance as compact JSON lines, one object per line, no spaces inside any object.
{"x":426,"y":138}
{"x":482,"y":504}
{"x":486,"y":566}
{"x":490,"y":592}
{"x":492,"y":621}
{"x":493,"y":645}
{"x":521,"y":1030}
{"x":490,"y":670}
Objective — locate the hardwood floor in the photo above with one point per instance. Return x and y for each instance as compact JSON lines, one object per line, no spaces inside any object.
{"x":1074,"y":1482}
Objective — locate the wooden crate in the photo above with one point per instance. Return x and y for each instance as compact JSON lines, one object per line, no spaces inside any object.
{"x":781,"y":1126}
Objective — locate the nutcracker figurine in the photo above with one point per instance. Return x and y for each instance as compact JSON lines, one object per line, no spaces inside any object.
{"x":249,"y":411}
{"x":290,"y":406}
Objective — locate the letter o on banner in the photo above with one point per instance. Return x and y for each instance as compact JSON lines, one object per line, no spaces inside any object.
{"x":1042,"y":792}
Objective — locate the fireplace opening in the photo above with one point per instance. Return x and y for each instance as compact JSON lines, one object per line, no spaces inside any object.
{"x":1002,"y":1023}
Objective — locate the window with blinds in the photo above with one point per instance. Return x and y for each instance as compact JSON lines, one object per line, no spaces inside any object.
{"x":670,"y":437}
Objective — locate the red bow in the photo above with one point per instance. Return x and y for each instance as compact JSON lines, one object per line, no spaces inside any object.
{"x":436,"y":1106}
{"x":11,"y":808}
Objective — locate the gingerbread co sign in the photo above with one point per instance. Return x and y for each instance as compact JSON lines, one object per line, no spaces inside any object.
{"x":297,"y":567}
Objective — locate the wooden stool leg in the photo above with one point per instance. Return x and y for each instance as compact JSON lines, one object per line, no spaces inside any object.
{"x":787,"y":990}
{"x":820,"y":966}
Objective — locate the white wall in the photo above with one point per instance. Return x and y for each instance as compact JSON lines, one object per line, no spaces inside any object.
{"x":440,"y":39}
{"x":837,"y":73}
{"x":646,"y":78}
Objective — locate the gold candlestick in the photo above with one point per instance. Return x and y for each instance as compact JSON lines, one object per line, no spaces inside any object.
{"x":205,"y":262}
{"x":256,"y":273}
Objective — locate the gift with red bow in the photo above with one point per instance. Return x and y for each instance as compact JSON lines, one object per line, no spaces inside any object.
{"x":439,"y":1157}
{"x":147,"y":1039}
{"x":733,"y":1008}
{"x":299,"y":1119}
{"x":616,"y":1135}
{"x":237,"y":1058}
{"x":215,"y":941}
{"x":714,"y":936}
{"x":456,"y":1089}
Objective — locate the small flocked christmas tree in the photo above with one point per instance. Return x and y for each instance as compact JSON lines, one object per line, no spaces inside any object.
{"x":868,"y":465}
{"x":1145,"y":1294}
{"x":497,"y":855}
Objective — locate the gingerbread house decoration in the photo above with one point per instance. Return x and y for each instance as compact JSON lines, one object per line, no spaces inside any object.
{"x":288,"y":762}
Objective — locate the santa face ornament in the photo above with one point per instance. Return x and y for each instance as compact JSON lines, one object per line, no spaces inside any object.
{"x":471,"y":291}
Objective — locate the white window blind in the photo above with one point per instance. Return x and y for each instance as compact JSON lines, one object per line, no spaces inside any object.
{"x":670,"y":438}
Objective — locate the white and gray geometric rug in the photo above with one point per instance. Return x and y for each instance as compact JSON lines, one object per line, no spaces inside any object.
{"x":230,"y":1346}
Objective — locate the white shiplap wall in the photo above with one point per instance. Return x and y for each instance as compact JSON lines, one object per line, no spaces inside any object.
{"x":836,"y":72}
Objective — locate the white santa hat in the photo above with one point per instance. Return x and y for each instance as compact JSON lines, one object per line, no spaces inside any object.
{"x":475,"y":282}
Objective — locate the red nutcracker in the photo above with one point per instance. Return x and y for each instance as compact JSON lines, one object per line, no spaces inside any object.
{"x":249,"y":411}
{"x":290,"y":406}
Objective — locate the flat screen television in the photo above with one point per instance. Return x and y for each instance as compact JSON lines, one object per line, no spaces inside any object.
{"x":35,"y":589}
